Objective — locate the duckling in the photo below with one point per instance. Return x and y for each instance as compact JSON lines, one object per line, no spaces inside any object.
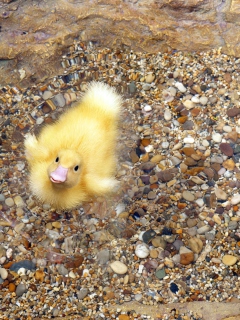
{"x":74,"y":159}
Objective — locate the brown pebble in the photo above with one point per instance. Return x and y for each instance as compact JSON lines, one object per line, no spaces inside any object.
{"x":134,"y":157}
{"x":226,"y":149}
{"x":195,"y":112}
{"x":233,"y":112}
{"x":186,"y":258}
{"x":188,"y":151}
{"x":11,"y":287}
{"x":182,"y":120}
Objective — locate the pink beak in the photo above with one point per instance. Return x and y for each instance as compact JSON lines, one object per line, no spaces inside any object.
{"x":59,"y":175}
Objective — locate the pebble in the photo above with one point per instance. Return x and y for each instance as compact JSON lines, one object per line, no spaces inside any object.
{"x":47,"y":95}
{"x":167,"y":115}
{"x":21,"y":289}
{"x":189,"y":104}
{"x":142,"y":250}
{"x":229,"y":260}
{"x":220,"y":194}
{"x":26,"y":264}
{"x":203,"y":229}
{"x":103,"y":256}
{"x":59,"y":100}
{"x":226,"y":149}
{"x":187,"y":195}
{"x":62,"y":269}
{"x":180,"y":87}
{"x":235,"y":199}
{"x":3,"y":273}
{"x":9,"y":202}
{"x":82,"y":293}
{"x":119,"y":267}
{"x":217,"y":137}
{"x":203,"y":100}
{"x":188,"y":140}
{"x":161,"y":273}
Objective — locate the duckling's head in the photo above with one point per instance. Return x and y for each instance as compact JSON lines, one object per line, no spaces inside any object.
{"x":65,"y":169}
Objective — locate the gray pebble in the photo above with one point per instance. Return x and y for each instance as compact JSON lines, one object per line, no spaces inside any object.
{"x":59,"y":100}
{"x":62,"y":270}
{"x":82,"y":293}
{"x":103,"y":256}
{"x":21,"y":289}
{"x":2,"y":197}
{"x":132,"y":87}
{"x":233,"y":225}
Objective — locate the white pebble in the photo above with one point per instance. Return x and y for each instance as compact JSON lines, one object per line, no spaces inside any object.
{"x":3,"y":273}
{"x":200,"y":202}
{"x":149,"y":148}
{"x":118,"y":267}
{"x":221,"y":171}
{"x":195,"y":99}
{"x":40,"y":120}
{"x":180,"y":87}
{"x":205,"y":143}
{"x":21,"y":272}
{"x":227,"y":128}
{"x":165,"y":145}
{"x":147,"y":108}
{"x":72,"y":275}
{"x":188,"y":104}
{"x":228,"y":174}
{"x":177,"y":146}
{"x":235,"y":199}
{"x":175,"y":74}
{"x":142,"y":250}
{"x":188,"y":140}
{"x":203,"y":100}
{"x":217,"y":137}
{"x":9,"y":253}
{"x":167,"y":115}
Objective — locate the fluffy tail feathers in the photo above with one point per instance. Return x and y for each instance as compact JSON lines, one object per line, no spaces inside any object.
{"x":102,"y":97}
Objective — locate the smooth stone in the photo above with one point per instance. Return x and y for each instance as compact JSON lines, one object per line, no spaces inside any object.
{"x":9,"y":202}
{"x":21,"y":289}
{"x":203,"y":229}
{"x":229,"y":260}
{"x":226,"y":149}
{"x":132,"y":87}
{"x":47,"y":95}
{"x":142,"y":250}
{"x":119,"y":267}
{"x":227,"y":128}
{"x":188,"y":104}
{"x":220,"y":194}
{"x":235,"y":199}
{"x":62,"y":269}
{"x":180,"y":87}
{"x":167,"y":115}
{"x":148,"y":235}
{"x":203,"y":100}
{"x":160,"y":274}
{"x":103,"y":256}
{"x":150,"y":78}
{"x":2,"y":197}
{"x":3,"y":273}
{"x":233,"y":225}
{"x":195,"y":99}
{"x":165,"y":144}
{"x":82,"y":293}
{"x":186,"y":256}
{"x":26,"y":264}
{"x":19,"y":202}
{"x":187,"y":195}
{"x":159,"y":241}
{"x":188,"y":140}
{"x":152,"y":195}
{"x":217,"y":137}
{"x":59,"y":100}
{"x":138,"y":297}
{"x":146,"y":86}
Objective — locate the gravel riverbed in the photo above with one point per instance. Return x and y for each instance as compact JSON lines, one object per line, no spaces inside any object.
{"x":170,"y":234}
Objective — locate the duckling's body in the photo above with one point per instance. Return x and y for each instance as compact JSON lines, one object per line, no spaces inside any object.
{"x":74,"y":158}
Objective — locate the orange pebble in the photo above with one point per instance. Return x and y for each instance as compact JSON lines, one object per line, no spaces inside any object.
{"x":12,"y":287}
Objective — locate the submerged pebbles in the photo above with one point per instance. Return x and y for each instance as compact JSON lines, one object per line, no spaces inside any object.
{"x":172,"y":231}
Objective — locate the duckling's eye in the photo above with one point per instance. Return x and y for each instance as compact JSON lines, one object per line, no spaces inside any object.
{"x":57,"y":159}
{"x":76,"y":168}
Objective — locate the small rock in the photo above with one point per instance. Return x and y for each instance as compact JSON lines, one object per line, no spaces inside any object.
{"x":59,"y":100}
{"x":82,"y":293}
{"x":62,"y":270}
{"x":118,"y":267}
{"x":159,"y":241}
{"x":167,"y":115}
{"x":26,"y":264}
{"x":21,"y":289}
{"x":226,"y":149}
{"x":9,"y":202}
{"x":180,"y":87}
{"x":217,"y":137}
{"x":229,"y":260}
{"x":142,"y":250}
{"x":160,"y":274}
{"x":103,"y":256}
{"x":220,"y":194}
{"x":47,"y":95}
{"x":186,"y":256}
{"x":203,"y":100}
{"x":150,"y":77}
{"x":3,"y":273}
{"x":187,"y":195}
{"x":235,"y":199}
